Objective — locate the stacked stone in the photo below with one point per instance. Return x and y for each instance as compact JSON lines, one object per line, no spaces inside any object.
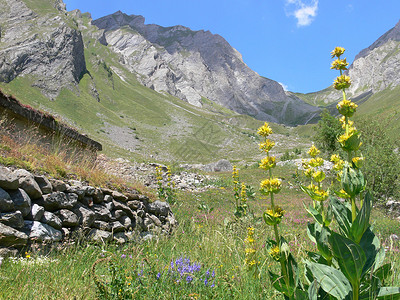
{"x":37,"y":209}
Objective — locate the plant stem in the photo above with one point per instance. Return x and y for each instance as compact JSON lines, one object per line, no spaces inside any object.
{"x":353,"y":209}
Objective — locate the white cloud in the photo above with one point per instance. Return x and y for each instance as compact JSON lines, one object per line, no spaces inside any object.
{"x":305,"y":13}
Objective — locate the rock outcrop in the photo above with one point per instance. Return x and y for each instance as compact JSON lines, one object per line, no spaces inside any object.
{"x":44,"y":46}
{"x":56,"y":209}
{"x":193,"y":65}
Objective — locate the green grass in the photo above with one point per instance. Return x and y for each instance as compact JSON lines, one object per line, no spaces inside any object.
{"x":200,"y":236}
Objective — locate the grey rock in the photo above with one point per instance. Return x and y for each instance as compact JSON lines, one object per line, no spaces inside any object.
{"x":8,"y":252}
{"x":12,"y":219}
{"x":6,"y":204}
{"x":101,"y":212}
{"x":54,"y":55}
{"x":8,"y":179}
{"x":117,"y":227}
{"x":44,"y":184}
{"x":79,"y":190}
{"x":119,"y":196}
{"x":86,"y":217}
{"x":58,"y":200}
{"x":51,"y":219}
{"x":120,"y":237}
{"x":10,"y":237}
{"x":108,"y":198}
{"x":37,"y":212}
{"x":109,"y":206}
{"x":87,"y":201}
{"x":117,"y":214}
{"x":106,"y":226}
{"x":28,"y":183}
{"x":100,"y":236}
{"x":98,"y":196}
{"x":89,"y":190}
{"x":135,"y":205}
{"x":122,"y":206}
{"x":154,"y":219}
{"x":58,"y":185}
{"x":21,"y":200}
{"x":158,"y":208}
{"x":126,"y":222}
{"x":68,"y":218}
{"x":40,"y":232}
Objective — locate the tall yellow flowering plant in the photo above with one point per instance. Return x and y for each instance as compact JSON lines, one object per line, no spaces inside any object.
{"x":288,"y":282}
{"x":349,"y":263}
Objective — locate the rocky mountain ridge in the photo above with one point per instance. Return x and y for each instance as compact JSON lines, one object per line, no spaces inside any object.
{"x":373,"y":70}
{"x":193,"y":65}
{"x":45,"y":46}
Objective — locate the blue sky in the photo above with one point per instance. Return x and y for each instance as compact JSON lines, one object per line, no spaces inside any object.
{"x":285,"y":40}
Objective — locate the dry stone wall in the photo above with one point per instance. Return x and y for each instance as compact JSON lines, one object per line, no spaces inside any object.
{"x":36,"y":209}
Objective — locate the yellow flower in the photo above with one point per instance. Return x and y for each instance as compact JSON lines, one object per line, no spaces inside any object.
{"x":350,"y":141}
{"x":278,"y":213}
{"x":249,"y":251}
{"x":274,"y":253}
{"x":316,"y":162}
{"x":267,"y":145}
{"x":268,"y":162}
{"x":319,"y":176}
{"x":335,"y":158}
{"x":342,"y":82}
{"x":346,"y":108}
{"x":313,"y":151}
{"x":309,"y":172}
{"x":264,"y":130}
{"x":343,"y":122}
{"x":338,"y":51}
{"x":339,"y":64}
{"x":270,"y":186}
{"x":235,"y":172}
{"x":358,"y":161}
{"x":305,"y":164}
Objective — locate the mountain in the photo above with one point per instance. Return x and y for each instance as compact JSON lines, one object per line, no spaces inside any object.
{"x":193,"y":65}
{"x":373,"y":70}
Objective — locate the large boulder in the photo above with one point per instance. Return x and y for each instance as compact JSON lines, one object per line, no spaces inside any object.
{"x":8,"y":179}
{"x":158,"y":208}
{"x":44,"y":184}
{"x":68,"y":218}
{"x":6,"y":204}
{"x":100,"y":236}
{"x":10,"y":237}
{"x":102,"y":213}
{"x":58,"y":200}
{"x":85,"y":216}
{"x":40,"y":232}
{"x":21,"y":200}
{"x":12,"y":219}
{"x":51,"y":219}
{"x":28,"y":183}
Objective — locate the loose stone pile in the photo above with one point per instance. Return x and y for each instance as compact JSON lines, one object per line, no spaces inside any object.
{"x":37,"y":209}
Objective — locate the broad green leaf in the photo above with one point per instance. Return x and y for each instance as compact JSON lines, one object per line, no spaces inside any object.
{"x":342,"y":215}
{"x":328,"y":215}
{"x":383,"y":272}
{"x":316,"y":257}
{"x":331,"y":280}
{"x":322,"y":237}
{"x":313,"y":290}
{"x":315,"y":214}
{"x":371,"y":245}
{"x":278,"y":282}
{"x":290,"y":265}
{"x":361,"y":223}
{"x":389,"y":293}
{"x":350,"y":257}
{"x":311,"y":232}
{"x":380,"y":256}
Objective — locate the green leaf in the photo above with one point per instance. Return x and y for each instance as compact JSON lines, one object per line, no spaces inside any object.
{"x":342,"y":215}
{"x":350,"y":257}
{"x":311,"y":232}
{"x":389,"y":293}
{"x":328,"y":215}
{"x":278,"y":282}
{"x":383,"y":272}
{"x":315,"y":214}
{"x":331,"y":280}
{"x":371,"y":247}
{"x":369,"y":287}
{"x":322,"y":237}
{"x":361,"y":223}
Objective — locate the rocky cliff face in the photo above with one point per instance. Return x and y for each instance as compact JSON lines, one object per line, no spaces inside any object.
{"x":195,"y":64}
{"x":44,"y":46}
{"x":374,"y":69}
